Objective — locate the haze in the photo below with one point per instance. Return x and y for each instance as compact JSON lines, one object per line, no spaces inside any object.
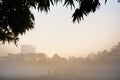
{"x":31,"y":66}
{"x":54,"y":32}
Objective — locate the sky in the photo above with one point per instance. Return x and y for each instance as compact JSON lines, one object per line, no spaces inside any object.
{"x":54,"y":32}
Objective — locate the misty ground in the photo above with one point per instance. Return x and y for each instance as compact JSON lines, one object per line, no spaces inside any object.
{"x":104,"y":65}
{"x":61,"y":78}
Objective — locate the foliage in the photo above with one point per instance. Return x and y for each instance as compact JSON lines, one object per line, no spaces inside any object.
{"x":16,"y":17}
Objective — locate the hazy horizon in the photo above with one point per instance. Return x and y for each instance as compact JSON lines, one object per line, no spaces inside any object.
{"x":77,"y":56}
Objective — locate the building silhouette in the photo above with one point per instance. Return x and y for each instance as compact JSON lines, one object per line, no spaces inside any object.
{"x":28,"y":49}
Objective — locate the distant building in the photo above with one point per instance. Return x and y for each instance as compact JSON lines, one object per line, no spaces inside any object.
{"x":26,"y":49}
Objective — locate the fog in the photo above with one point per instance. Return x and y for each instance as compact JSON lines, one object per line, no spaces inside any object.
{"x":103,"y":65}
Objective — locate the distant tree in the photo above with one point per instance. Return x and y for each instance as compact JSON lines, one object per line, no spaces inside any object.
{"x":16,"y":17}
{"x":91,"y":56}
{"x":56,"y":57}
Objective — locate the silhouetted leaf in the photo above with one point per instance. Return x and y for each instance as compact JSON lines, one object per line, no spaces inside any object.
{"x":105,"y":1}
{"x":69,"y":2}
{"x":86,"y":6}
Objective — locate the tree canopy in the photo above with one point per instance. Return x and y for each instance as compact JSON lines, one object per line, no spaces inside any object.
{"x":16,"y":17}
